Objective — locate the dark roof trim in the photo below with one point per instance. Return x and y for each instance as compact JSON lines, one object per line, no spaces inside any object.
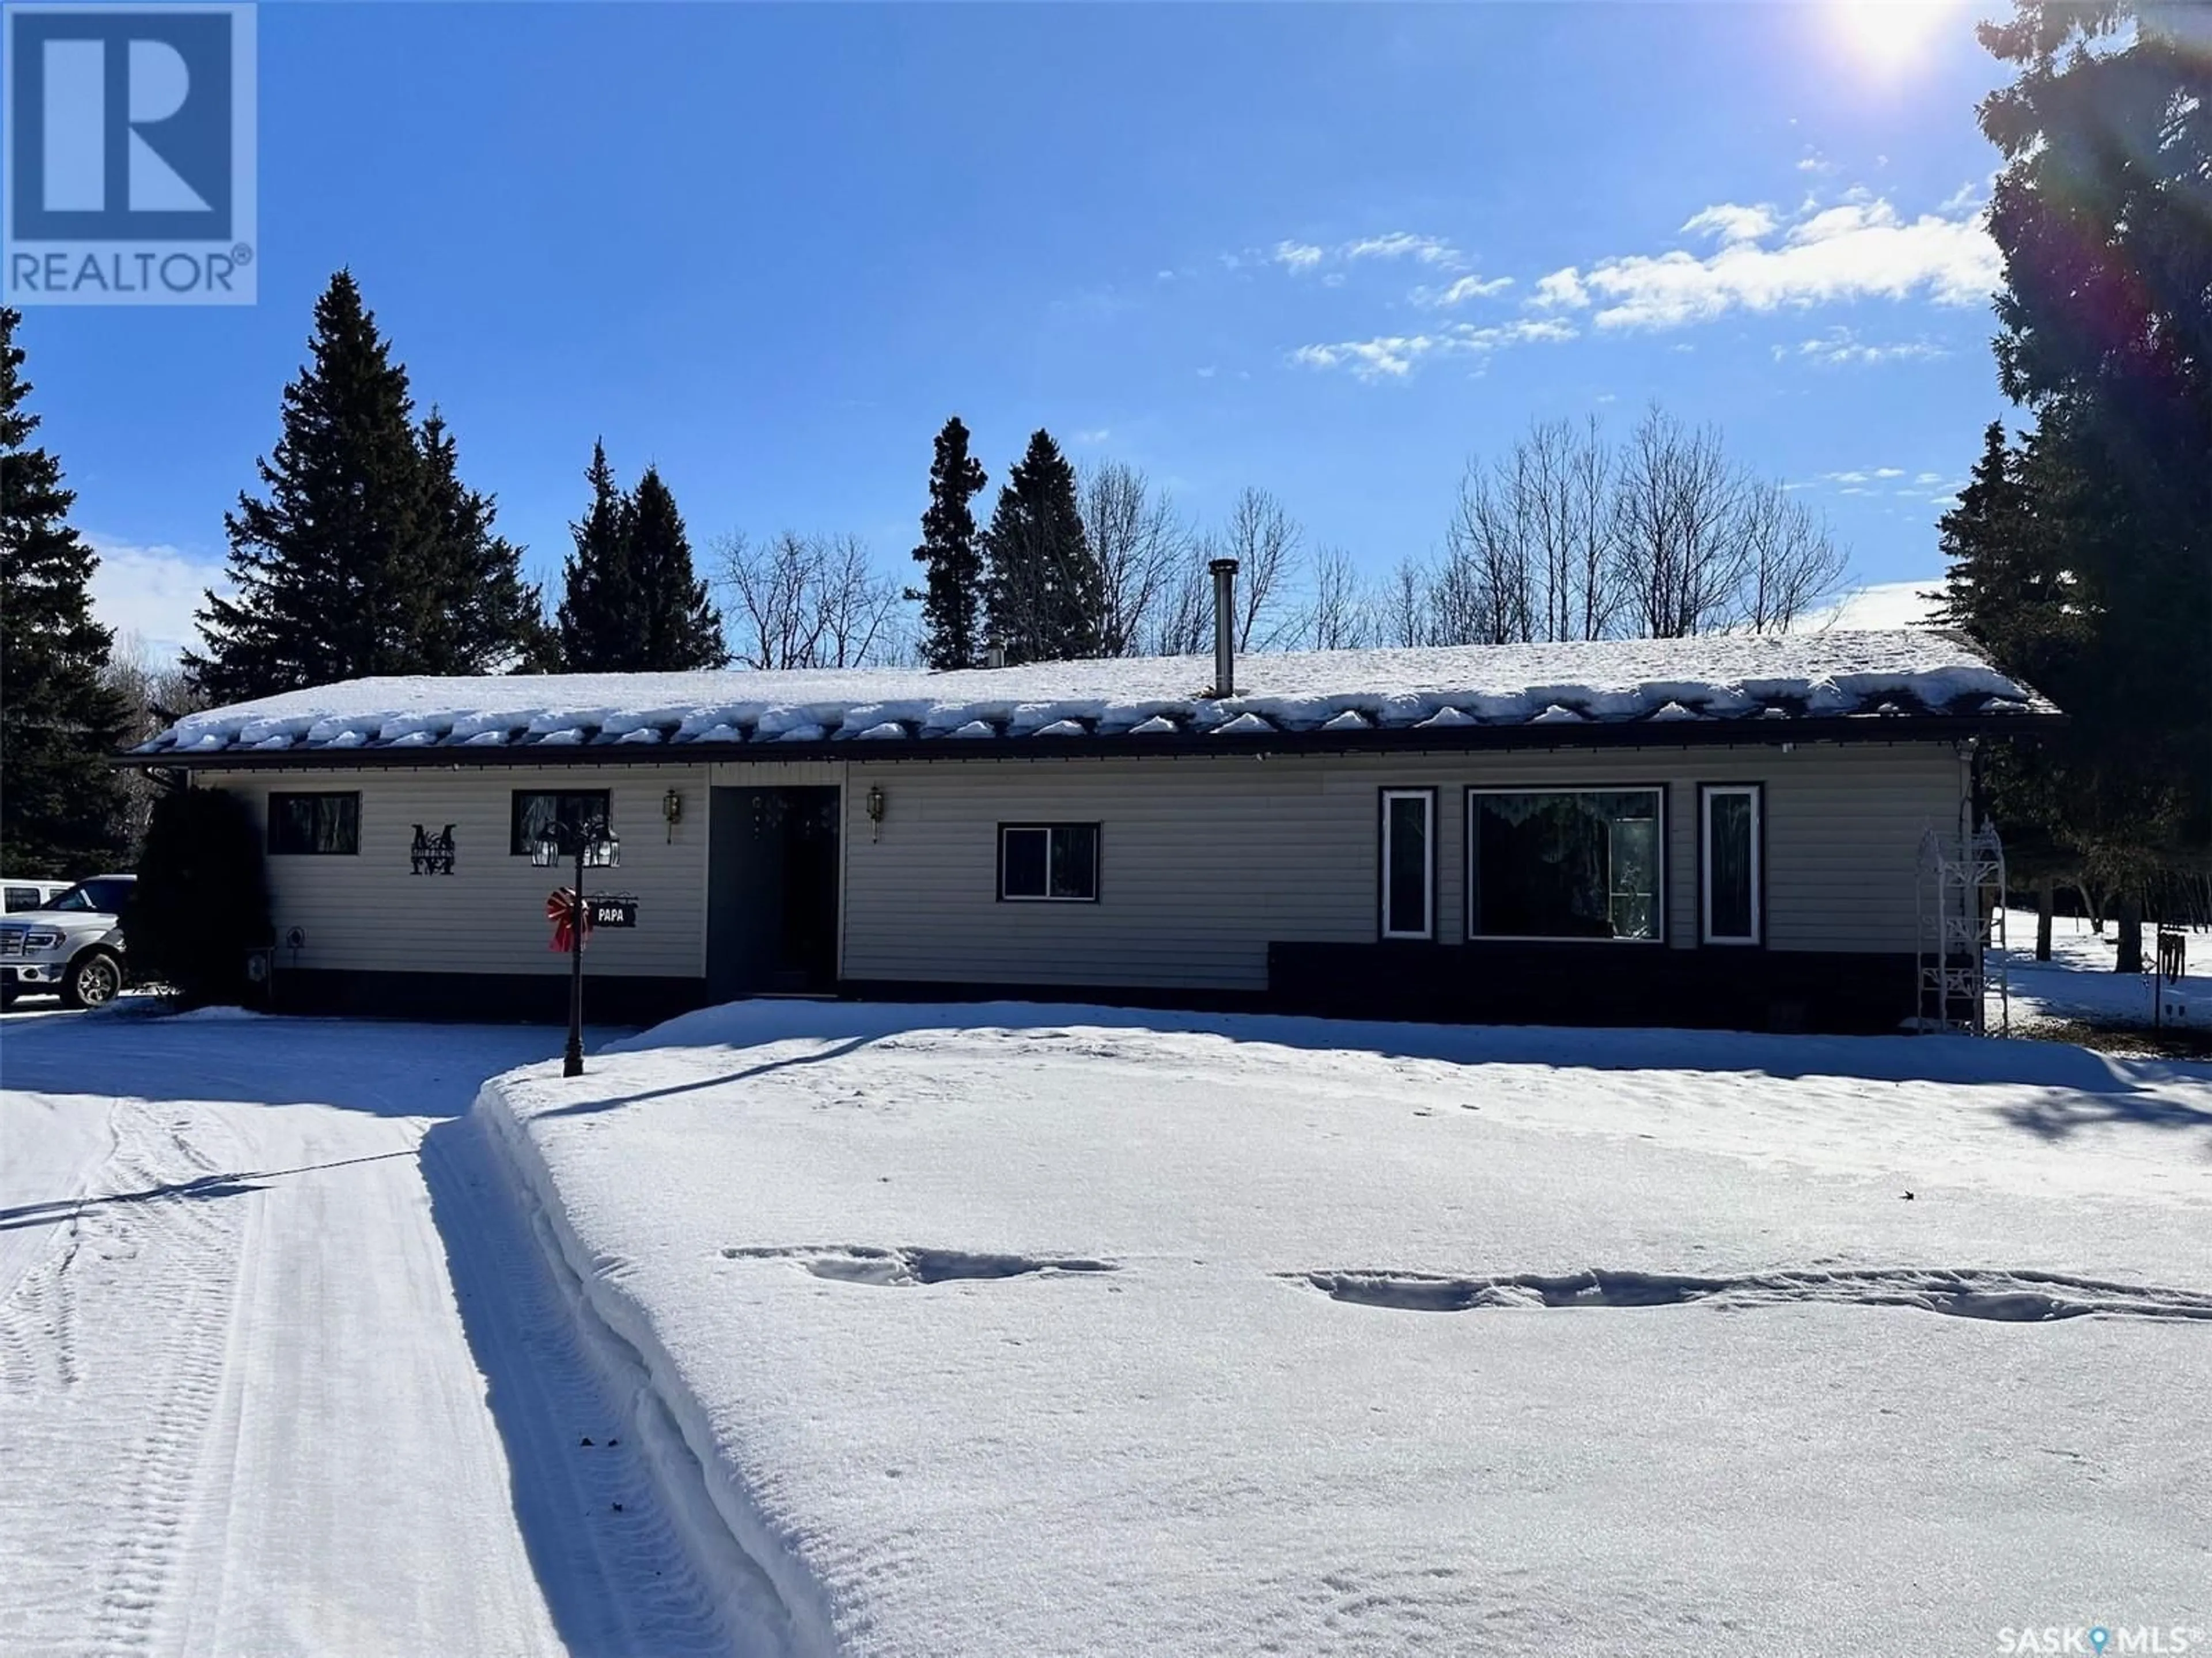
{"x":1452,"y":740}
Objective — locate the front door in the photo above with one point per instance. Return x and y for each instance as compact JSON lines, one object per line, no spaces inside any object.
{"x":772,"y":892}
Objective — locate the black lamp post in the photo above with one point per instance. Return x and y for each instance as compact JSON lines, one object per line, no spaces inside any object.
{"x":591,"y":841}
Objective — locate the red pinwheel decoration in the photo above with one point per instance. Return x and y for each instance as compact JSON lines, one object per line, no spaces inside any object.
{"x":561,"y":910}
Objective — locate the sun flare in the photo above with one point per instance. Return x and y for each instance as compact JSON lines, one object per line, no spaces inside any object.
{"x":1890,"y":35}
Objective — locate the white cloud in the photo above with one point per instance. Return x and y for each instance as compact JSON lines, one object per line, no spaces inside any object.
{"x":1393,"y":356}
{"x":152,"y":592}
{"x":1839,"y":347}
{"x":1095,"y":435}
{"x":1729,"y":223}
{"x":1466,"y":288}
{"x":1562,"y":289}
{"x":1300,"y":258}
{"x":1812,"y":161}
{"x":1859,"y":249}
{"x":1928,"y":477}
{"x":1386,"y":356}
{"x":1405,"y":245}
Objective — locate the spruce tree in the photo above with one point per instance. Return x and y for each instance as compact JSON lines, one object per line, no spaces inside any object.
{"x":1045,"y":594}
{"x":2101,"y":215}
{"x":951,"y":596}
{"x":599,"y":606}
{"x":60,"y":806}
{"x":479,"y":615}
{"x":327,"y":569}
{"x":678,"y":629}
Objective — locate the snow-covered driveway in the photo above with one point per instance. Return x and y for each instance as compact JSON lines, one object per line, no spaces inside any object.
{"x":280,"y":1367}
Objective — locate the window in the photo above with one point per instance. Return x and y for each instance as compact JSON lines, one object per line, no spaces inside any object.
{"x":1049,"y":863}
{"x":101,"y":896}
{"x":1731,"y":862}
{"x":1409,"y":817}
{"x":306,"y":824}
{"x":20,"y":898}
{"x":1579,"y":864}
{"x":534,"y":808}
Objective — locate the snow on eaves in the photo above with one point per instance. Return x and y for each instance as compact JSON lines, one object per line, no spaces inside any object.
{"x":1814,"y":675}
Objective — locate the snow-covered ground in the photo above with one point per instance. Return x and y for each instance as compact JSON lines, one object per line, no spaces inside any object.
{"x":2078,"y":982}
{"x":1024,"y":1330}
{"x":281,"y":1368}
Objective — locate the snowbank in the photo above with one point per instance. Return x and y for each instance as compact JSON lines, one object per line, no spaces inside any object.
{"x":1026,"y":1329}
{"x":1715,"y":678}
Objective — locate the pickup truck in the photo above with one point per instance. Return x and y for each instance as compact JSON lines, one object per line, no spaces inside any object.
{"x":71,"y":945}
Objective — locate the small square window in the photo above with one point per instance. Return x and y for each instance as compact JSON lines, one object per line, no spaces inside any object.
{"x":1049,"y":863}
{"x":301,"y":825}
{"x":534,"y":808}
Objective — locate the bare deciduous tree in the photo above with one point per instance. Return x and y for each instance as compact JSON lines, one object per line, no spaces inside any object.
{"x":156,"y":691}
{"x":1264,"y":540}
{"x":1794,"y":562}
{"x":1338,"y":616}
{"x":810,"y":602}
{"x":1141,"y":545}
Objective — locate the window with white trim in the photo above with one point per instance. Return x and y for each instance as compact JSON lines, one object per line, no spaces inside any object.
{"x":1565,"y":864}
{"x":1049,"y":863}
{"x":1409,"y":865}
{"x":1731,"y":862}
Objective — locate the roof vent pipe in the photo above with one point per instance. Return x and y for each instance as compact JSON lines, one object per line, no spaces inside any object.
{"x":1225,"y":627}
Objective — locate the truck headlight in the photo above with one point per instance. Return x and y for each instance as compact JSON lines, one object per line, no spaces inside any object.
{"x":42,"y":939}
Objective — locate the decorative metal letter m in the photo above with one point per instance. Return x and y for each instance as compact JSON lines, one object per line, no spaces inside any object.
{"x":431,"y":855}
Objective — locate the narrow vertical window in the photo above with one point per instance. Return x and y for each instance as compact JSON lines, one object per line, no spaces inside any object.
{"x":1409,"y":865}
{"x":1731,"y":862}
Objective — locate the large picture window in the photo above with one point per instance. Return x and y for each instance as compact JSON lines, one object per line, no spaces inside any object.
{"x":1564,"y":864}
{"x":305,"y":824}
{"x":1049,"y":863}
{"x":534,"y":808}
{"x":1409,"y":821}
{"x":1731,"y":860}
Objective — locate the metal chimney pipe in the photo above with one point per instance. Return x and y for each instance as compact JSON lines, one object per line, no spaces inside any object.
{"x":1225,"y":627}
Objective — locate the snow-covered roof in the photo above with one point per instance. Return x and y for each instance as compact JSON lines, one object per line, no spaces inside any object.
{"x":1452,"y":693}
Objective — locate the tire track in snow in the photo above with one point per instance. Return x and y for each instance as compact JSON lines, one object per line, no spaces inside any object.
{"x":144,"y":1373}
{"x":615,"y":1566}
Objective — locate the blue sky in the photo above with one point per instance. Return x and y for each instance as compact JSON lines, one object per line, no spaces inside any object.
{"x":1330,"y":250}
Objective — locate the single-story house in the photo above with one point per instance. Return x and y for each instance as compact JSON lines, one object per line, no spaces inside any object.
{"x":1717,"y":831}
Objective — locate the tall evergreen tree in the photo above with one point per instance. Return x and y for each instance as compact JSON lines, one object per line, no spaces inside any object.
{"x":368,"y":555}
{"x":1045,"y":595}
{"x":679,"y":628}
{"x":952,"y":594}
{"x":60,"y":807}
{"x":2007,"y":586}
{"x":324,"y":569}
{"x":599,"y":607}
{"x":2103,"y":214}
{"x":480,"y":616}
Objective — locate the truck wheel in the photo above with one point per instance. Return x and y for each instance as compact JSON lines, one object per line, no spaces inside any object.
{"x":94,"y":978}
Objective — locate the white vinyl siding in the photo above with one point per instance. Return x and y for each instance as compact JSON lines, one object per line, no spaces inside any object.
{"x":369,"y":913}
{"x":1204,"y":861}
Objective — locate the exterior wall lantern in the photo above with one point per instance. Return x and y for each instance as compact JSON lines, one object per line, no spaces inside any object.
{"x":875,"y":805}
{"x":594,"y":845}
{"x":671,"y":812}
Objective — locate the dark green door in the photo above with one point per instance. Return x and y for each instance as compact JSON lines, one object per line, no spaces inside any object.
{"x":772,"y":892}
